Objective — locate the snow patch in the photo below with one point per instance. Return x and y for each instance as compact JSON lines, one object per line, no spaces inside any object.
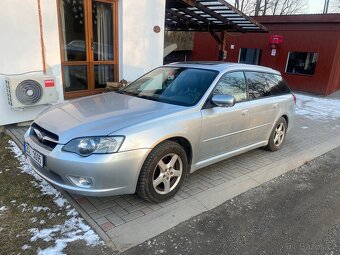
{"x":3,"y":209}
{"x":24,"y":209}
{"x":72,"y":230}
{"x":25,"y":247}
{"x":316,"y":108}
{"x":60,"y":201}
{"x":40,"y":208}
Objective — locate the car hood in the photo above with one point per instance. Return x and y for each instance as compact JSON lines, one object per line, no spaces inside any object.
{"x":100,"y":115}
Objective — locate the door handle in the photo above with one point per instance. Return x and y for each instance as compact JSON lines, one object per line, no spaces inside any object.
{"x":275,"y":106}
{"x":244,"y":112}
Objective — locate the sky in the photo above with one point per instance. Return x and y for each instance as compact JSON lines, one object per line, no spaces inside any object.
{"x":315,"y":6}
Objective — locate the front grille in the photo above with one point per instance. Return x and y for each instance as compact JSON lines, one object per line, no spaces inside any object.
{"x":43,"y":137}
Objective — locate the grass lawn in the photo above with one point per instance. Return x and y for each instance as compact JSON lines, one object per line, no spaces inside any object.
{"x":34,"y":217}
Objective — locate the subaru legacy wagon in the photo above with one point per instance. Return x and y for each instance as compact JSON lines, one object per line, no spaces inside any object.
{"x":147,"y":137}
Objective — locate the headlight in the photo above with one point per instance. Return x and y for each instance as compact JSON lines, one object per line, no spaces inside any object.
{"x":94,"y":145}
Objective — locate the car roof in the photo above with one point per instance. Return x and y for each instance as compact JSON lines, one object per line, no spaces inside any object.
{"x":224,"y":66}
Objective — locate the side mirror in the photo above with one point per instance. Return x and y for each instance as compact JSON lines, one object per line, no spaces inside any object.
{"x":223,"y":100}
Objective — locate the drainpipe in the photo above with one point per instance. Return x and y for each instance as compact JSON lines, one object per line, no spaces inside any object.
{"x":42,"y":38}
{"x":325,"y":8}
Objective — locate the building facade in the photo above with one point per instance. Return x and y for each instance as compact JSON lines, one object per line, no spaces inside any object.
{"x":82,"y":44}
{"x":304,"y":48}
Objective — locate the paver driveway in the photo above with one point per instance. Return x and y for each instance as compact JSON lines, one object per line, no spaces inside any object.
{"x":128,"y":220}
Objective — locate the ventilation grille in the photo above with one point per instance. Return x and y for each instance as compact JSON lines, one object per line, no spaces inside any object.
{"x":9,"y":94}
{"x":29,"y":92}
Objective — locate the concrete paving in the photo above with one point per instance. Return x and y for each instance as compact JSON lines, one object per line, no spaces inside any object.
{"x":297,"y":213}
{"x":127,"y":220}
{"x":335,"y":95}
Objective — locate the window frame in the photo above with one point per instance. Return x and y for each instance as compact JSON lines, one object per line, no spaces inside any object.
{"x":90,"y":62}
{"x":303,"y":74}
{"x":259,"y":57}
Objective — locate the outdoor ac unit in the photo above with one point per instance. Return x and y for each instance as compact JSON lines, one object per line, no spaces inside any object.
{"x":27,"y":91}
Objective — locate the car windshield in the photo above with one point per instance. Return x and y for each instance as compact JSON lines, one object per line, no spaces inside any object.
{"x":174,"y":85}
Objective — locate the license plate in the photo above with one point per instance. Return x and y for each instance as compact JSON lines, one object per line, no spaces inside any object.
{"x":34,"y":155}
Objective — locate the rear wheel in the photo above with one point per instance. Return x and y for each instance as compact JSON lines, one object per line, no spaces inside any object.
{"x":163,"y":172}
{"x":278,"y":135}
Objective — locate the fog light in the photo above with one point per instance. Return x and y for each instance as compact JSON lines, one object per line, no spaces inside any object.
{"x":83,"y":182}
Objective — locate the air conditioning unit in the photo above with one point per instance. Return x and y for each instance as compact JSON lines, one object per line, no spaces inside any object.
{"x":28,"y":91}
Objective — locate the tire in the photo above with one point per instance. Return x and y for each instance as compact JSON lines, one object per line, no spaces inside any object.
{"x":277,"y":135}
{"x":163,"y":172}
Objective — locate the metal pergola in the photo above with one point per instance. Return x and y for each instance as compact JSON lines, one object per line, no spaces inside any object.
{"x":206,"y":16}
{"x":213,"y":16}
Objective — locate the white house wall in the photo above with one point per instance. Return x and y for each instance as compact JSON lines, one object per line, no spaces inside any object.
{"x":140,"y":48}
{"x":20,"y":49}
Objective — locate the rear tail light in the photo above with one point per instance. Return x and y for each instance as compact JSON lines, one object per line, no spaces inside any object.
{"x":294,"y":98}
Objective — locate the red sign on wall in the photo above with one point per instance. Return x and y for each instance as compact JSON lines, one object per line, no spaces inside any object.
{"x":49,"y":83}
{"x":276,"y":39}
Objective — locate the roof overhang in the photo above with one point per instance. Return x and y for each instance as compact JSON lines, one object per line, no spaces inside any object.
{"x":208,"y":16}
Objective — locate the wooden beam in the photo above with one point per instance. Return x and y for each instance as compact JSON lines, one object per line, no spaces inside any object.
{"x":216,"y":37}
{"x":182,"y":22}
{"x":183,"y":17}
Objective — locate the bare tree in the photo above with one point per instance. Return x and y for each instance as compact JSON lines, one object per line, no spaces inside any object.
{"x":244,"y":5}
{"x":291,"y":7}
{"x":271,"y":7}
{"x":334,"y":6}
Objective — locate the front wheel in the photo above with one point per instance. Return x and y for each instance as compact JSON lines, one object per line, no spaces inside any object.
{"x":277,"y":135}
{"x":163,"y":172}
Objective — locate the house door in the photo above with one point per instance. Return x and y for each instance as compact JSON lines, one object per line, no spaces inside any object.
{"x":88,"y":38}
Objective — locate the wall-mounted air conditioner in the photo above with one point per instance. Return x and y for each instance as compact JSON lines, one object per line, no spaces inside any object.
{"x":27,"y":91}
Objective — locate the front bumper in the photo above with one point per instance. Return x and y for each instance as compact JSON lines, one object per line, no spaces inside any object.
{"x":112,"y":174}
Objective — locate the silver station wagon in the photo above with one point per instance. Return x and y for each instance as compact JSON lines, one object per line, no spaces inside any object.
{"x":147,"y":137}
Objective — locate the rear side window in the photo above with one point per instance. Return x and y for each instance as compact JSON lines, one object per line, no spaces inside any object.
{"x":257,"y":85}
{"x":277,"y":85}
{"x":265,"y":85}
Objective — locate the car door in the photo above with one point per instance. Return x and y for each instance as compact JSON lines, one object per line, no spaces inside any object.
{"x":224,"y":129}
{"x":264,"y":107}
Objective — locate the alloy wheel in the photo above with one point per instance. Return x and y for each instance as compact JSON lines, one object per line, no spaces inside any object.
{"x":279,"y":134}
{"x":167,"y":173}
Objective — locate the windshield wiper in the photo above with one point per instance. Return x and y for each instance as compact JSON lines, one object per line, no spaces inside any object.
{"x":148,"y":97}
{"x":123,"y":92}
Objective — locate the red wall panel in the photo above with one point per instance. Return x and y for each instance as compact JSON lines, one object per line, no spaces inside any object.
{"x":320,"y":37}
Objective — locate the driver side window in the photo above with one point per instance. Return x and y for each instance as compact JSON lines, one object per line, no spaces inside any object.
{"x":233,"y":84}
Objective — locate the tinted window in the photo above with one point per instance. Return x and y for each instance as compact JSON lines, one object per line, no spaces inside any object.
{"x":250,"y":56}
{"x":257,"y":85}
{"x":277,"y":85}
{"x":174,"y":85}
{"x":232,"y":84}
{"x":302,"y":62}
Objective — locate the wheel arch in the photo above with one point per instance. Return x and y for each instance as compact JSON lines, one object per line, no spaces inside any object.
{"x":286,"y":118}
{"x":186,"y":146}
{"x":182,"y":141}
